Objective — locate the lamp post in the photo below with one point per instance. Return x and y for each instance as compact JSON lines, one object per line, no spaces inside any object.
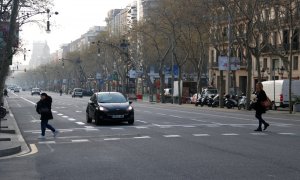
{"x":48,"y":19}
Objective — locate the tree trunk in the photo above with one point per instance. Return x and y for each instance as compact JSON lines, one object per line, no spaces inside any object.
{"x":9,"y":52}
{"x":249,"y":78}
{"x":179,"y":86}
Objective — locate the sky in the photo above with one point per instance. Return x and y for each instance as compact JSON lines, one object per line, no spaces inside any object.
{"x":74,"y":19}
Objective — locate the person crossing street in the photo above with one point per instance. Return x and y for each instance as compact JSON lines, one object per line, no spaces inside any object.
{"x":44,"y":109}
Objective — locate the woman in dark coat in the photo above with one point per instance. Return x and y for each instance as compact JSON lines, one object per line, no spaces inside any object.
{"x":44,"y":109}
{"x":260,"y":97}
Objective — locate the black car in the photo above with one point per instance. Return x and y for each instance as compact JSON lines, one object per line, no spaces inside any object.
{"x":109,"y":106}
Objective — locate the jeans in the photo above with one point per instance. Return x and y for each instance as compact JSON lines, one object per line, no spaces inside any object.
{"x":260,"y":119}
{"x":44,"y":125}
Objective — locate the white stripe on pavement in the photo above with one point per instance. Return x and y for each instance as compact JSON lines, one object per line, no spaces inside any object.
{"x":142,"y":137}
{"x":171,"y":136}
{"x":80,"y":123}
{"x":79,"y":140}
{"x":201,"y":135}
{"x":229,"y":134}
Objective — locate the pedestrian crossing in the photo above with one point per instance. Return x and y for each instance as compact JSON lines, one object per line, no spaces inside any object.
{"x":120,"y":137}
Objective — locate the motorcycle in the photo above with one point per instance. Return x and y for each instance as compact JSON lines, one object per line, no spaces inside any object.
{"x":230,"y":101}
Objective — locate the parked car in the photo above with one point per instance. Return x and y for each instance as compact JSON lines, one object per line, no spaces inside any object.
{"x":109,"y":106}
{"x":87,"y":92}
{"x":77,"y":92}
{"x":35,"y":91}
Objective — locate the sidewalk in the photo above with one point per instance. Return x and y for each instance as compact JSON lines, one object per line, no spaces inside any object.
{"x":278,"y":111}
{"x":11,"y":139}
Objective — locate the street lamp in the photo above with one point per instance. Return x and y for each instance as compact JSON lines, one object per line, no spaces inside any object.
{"x":48,"y":19}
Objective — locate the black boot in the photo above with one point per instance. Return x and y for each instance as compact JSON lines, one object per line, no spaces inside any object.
{"x":258,"y":130}
{"x":266,"y":126}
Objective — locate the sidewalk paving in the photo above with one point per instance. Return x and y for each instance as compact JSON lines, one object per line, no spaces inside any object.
{"x":11,"y":139}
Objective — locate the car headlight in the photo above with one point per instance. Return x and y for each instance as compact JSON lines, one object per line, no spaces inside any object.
{"x":130,"y":108}
{"x":101,"y":108}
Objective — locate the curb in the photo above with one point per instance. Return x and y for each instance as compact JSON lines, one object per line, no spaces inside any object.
{"x":10,"y":151}
{"x":15,"y":136}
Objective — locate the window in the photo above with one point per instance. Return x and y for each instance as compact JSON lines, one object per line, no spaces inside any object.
{"x":286,"y":39}
{"x":295,"y":63}
{"x":296,"y":40}
{"x":265,"y":63}
{"x":275,"y":64}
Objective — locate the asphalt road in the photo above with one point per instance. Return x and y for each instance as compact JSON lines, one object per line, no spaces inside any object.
{"x":166,"y":142}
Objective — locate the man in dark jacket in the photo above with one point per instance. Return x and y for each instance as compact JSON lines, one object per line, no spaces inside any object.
{"x":44,"y":109}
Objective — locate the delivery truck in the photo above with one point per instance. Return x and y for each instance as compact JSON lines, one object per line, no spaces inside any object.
{"x":278,"y":91}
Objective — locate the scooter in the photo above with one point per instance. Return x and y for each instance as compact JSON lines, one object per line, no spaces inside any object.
{"x":242,"y":102}
{"x":230,"y":101}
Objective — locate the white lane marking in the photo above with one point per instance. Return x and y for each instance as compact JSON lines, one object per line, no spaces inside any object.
{"x":259,"y":134}
{"x":35,"y":121}
{"x":117,"y":128}
{"x":112,"y":139}
{"x":229,"y":134}
{"x":28,"y":101}
{"x":60,"y":114}
{"x":161,"y":114}
{"x":92,"y":129}
{"x":189,"y":126}
{"x":201,"y":135}
{"x":54,"y":111}
{"x":47,"y":142}
{"x":65,"y":116}
{"x":141,"y":121}
{"x":198,"y":120}
{"x":89,"y":127}
{"x":176,"y":116}
{"x":80,"y":123}
{"x":78,"y":111}
{"x":142,"y":137}
{"x":171,"y":136}
{"x":291,"y":134}
{"x":141,"y":127}
{"x":18,"y":105}
{"x":164,"y":127}
{"x":79,"y":140}
{"x":72,"y":119}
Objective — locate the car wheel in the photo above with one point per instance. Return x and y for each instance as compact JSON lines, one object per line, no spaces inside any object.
{"x":88,"y":119}
{"x":131,"y":121}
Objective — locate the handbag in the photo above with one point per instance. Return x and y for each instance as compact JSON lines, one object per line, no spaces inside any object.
{"x":266,"y":103}
{"x":44,"y":110}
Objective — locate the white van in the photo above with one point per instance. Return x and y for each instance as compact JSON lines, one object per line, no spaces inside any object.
{"x":281,"y":94}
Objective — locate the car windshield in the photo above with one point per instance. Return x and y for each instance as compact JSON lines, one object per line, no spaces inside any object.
{"x":35,"y":89}
{"x":111,"y":98}
{"x":78,"y":90}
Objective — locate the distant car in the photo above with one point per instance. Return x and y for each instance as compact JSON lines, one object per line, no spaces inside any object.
{"x":87,"y":92}
{"x":17,"y":89}
{"x":77,"y":92}
{"x":208,"y":92}
{"x":35,"y":91}
{"x":109,"y":106}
